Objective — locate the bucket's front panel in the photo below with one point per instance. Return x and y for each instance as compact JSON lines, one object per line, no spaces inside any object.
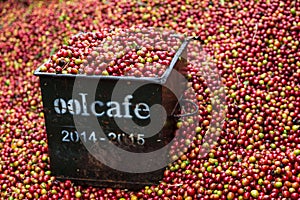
{"x":74,"y":117}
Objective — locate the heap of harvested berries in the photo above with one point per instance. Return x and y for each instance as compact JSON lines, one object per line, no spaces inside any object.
{"x":139,"y":52}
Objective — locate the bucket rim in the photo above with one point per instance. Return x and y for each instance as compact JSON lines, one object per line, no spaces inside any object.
{"x":162,"y":79}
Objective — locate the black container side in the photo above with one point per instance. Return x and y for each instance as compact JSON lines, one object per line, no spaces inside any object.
{"x":69,"y":160}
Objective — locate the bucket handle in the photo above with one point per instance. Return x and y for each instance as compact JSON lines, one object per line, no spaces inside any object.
{"x":196,"y":109}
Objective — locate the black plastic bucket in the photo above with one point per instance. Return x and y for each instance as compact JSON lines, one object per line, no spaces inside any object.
{"x":69,"y":158}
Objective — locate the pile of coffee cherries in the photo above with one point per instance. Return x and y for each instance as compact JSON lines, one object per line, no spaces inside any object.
{"x":138,"y":52}
{"x":251,"y":47}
